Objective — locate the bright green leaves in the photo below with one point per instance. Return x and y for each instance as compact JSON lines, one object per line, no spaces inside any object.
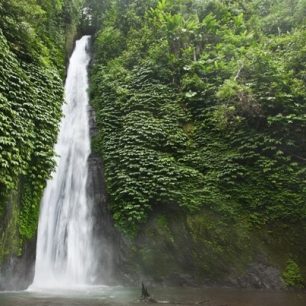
{"x":39,"y":31}
{"x":16,"y":126}
{"x":34,"y":36}
{"x":111,"y":39}
{"x":30,"y":110}
{"x":198,"y":106}
{"x":141,"y":139}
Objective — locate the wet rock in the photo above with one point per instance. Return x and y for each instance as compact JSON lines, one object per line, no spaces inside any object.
{"x":179,"y":280}
{"x":261,"y":276}
{"x":108,"y":241}
{"x":17,"y":272}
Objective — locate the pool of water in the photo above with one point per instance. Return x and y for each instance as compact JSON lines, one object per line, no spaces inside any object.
{"x":112,"y":296}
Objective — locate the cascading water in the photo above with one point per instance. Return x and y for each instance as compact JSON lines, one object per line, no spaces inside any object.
{"x":64,"y":256}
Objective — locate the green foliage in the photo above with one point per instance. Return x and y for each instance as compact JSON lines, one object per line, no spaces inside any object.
{"x":140,"y":132}
{"x":111,"y":38}
{"x":32,"y":52}
{"x":30,"y":102}
{"x":292,"y":275}
{"x":9,"y":241}
{"x":38,"y":30}
{"x":29,"y":211}
{"x":215,"y":247}
{"x":200,"y":104}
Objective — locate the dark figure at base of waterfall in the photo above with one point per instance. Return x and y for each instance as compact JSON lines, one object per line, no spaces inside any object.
{"x":145,"y":296}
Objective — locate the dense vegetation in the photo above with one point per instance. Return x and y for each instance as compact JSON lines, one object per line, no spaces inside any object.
{"x":201,"y":112}
{"x":201,"y":104}
{"x":35,"y":37}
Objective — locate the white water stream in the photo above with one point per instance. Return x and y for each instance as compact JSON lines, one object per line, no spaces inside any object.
{"x":64,"y":256}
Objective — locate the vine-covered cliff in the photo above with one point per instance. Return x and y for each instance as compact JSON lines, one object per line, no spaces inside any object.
{"x":201,"y":115}
{"x":35,"y":39}
{"x":200,"y":122}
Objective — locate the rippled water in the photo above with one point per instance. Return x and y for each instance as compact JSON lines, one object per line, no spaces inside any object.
{"x":103,"y":296}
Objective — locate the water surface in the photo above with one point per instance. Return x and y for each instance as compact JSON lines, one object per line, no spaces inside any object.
{"x":112,"y":296}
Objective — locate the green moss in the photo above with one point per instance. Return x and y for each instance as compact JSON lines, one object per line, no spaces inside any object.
{"x":211,"y":248}
{"x":29,"y":212}
{"x":292,"y":275}
{"x":10,"y":243}
{"x":157,"y":245}
{"x":217,"y":243}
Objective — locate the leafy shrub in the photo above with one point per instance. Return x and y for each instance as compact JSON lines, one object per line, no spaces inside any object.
{"x":292,"y":275}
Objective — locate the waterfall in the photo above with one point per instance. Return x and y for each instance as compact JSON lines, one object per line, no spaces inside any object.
{"x":64,"y":256}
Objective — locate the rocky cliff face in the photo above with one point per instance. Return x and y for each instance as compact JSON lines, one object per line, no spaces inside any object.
{"x":17,"y":272}
{"x":196,"y":250}
{"x":178,"y":249}
{"x":16,"y":258}
{"x":107,"y":239}
{"x":173,"y":249}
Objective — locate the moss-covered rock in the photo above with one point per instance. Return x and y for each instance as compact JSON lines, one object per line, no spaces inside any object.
{"x":203,"y":249}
